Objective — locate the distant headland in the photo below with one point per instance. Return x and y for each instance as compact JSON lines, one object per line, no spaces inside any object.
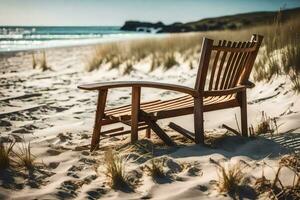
{"x":229,"y":22}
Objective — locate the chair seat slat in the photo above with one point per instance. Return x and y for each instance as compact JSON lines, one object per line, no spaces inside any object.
{"x":185,"y":103}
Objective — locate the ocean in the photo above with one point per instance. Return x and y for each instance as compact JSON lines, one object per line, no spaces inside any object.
{"x":17,"y":38}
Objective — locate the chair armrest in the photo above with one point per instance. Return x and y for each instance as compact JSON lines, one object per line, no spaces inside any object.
{"x":234,"y":90}
{"x":118,"y":84}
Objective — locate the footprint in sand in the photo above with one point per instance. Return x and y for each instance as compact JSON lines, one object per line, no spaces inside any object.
{"x":53,"y":152}
{"x":64,"y":137}
{"x":202,"y":188}
{"x":72,"y":171}
{"x":96,"y":193}
{"x":68,"y":189}
{"x":5,"y":123}
{"x":87,"y":161}
{"x":194,"y":171}
{"x":53,"y":165}
{"x":173,"y":166}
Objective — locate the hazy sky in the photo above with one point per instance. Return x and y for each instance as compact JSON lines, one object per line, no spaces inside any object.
{"x":116,"y":12}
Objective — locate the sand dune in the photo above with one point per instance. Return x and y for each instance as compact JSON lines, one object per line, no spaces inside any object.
{"x":47,"y":109}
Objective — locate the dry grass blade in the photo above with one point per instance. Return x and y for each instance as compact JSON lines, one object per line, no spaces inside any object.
{"x":292,"y":162}
{"x":230,"y":178}
{"x":33,"y":61}
{"x":5,"y":154}
{"x":25,"y":157}
{"x":169,"y":61}
{"x":115,"y":168}
{"x":266,"y":125}
{"x":156,"y":169}
{"x":276,"y":189}
{"x":128,"y":68}
{"x":44,"y":65}
{"x":291,"y":62}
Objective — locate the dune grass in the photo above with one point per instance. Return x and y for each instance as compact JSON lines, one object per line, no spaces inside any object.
{"x":39,"y":59}
{"x":33,"y":61}
{"x":128,"y":68}
{"x":44,"y":66}
{"x":115,"y":169}
{"x":291,"y":63}
{"x":25,"y":157}
{"x":6,"y":151}
{"x":230,"y":179}
{"x":281,"y":54}
{"x":161,"y":50}
{"x":275,"y":189}
{"x":265,"y":125}
{"x":155,"y":169}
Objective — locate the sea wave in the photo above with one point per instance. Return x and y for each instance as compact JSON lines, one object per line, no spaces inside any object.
{"x":28,"y":38}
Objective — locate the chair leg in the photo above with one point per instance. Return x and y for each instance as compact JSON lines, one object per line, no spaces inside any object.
{"x":198,"y":120}
{"x":135,"y":107}
{"x":98,"y":119}
{"x":243,"y":106}
{"x":148,"y":133}
{"x":159,"y":132}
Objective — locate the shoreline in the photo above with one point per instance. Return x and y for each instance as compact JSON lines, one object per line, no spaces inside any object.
{"x":128,"y":37}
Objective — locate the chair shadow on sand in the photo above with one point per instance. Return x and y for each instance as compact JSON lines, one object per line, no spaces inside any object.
{"x":256,"y":148}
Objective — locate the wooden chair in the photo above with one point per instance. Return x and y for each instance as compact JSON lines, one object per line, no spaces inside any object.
{"x":221,"y":83}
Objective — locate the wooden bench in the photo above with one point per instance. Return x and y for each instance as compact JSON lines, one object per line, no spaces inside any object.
{"x":221,"y":83}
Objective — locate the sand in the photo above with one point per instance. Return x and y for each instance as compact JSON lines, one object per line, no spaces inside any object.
{"x":47,"y":109}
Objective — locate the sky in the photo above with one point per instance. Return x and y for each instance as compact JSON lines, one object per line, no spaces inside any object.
{"x":116,"y":12}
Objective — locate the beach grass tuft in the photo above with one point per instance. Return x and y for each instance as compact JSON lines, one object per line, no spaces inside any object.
{"x":155,"y":169}
{"x":43,"y":62}
{"x":128,"y":68}
{"x":25,"y":157}
{"x":291,"y":63}
{"x":6,"y":151}
{"x":266,"y":125}
{"x":115,"y":168}
{"x":275,"y":189}
{"x":169,"y":61}
{"x":230,"y":179}
{"x":33,"y":61}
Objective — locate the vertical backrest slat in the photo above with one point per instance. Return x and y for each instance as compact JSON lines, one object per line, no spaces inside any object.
{"x":240,"y":66}
{"x":227,"y":64}
{"x":211,"y":81}
{"x":236,"y":65}
{"x":203,"y":64}
{"x":243,"y":65}
{"x":248,"y":68}
{"x":232,"y":64}
{"x":226,"y":69}
{"x":221,"y":67}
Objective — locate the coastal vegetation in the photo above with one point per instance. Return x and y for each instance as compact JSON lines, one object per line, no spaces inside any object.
{"x":6,"y":155}
{"x":115,"y":170}
{"x":22,"y":157}
{"x":40,"y":62}
{"x":25,"y":156}
{"x":280,"y":54}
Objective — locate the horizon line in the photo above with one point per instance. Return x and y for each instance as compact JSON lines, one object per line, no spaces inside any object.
{"x":144,"y":21}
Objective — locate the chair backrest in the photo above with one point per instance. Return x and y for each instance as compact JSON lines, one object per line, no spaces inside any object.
{"x":227,"y":64}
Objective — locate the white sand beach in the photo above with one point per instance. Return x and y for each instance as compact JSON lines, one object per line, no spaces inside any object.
{"x":49,"y":111}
